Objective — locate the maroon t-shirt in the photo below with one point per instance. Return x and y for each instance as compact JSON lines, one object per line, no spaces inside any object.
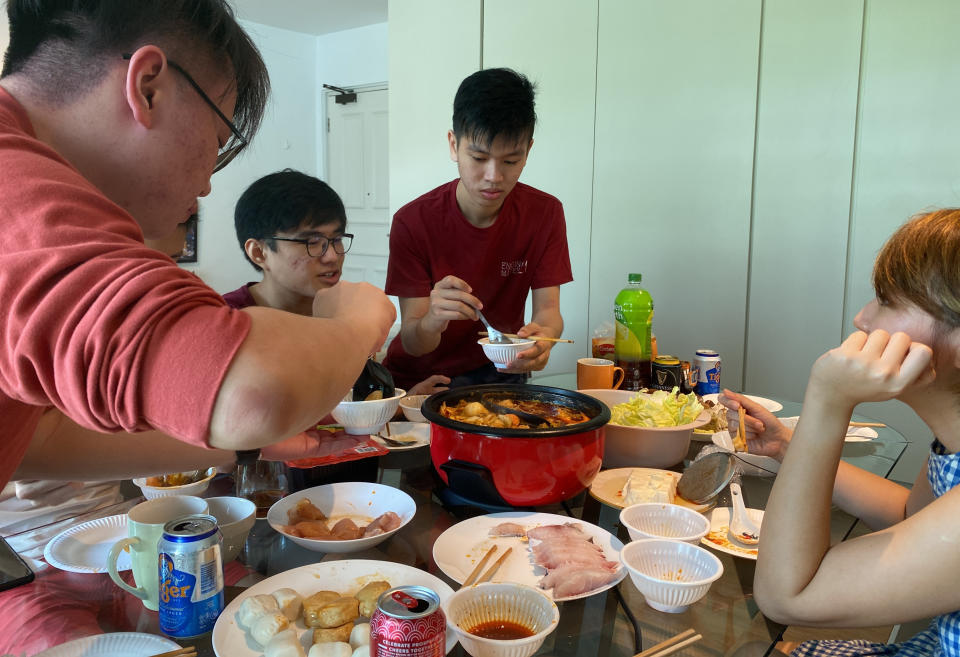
{"x":526,"y":248}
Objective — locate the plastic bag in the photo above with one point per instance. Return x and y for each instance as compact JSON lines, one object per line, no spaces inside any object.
{"x":374,"y":382}
{"x":603,"y":337}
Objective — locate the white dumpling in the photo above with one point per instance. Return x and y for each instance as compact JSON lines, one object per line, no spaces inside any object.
{"x":265,"y":627}
{"x":284,"y":644}
{"x":290,"y":603}
{"x":360,"y":635}
{"x":331,"y":649}
{"x":254,"y":607}
{"x":361,"y":651}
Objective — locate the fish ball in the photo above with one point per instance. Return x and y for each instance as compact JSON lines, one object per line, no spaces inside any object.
{"x":267,"y":626}
{"x":284,"y":644}
{"x":360,"y":635}
{"x":290,"y":603}
{"x":254,"y":607}
{"x":336,"y":649}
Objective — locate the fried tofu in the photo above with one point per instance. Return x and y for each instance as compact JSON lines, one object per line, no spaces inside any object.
{"x":368,"y":596}
{"x":313,"y":604}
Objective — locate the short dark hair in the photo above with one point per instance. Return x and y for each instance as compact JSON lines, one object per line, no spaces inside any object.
{"x":65,"y":47}
{"x":282,"y":201}
{"x":494,"y":102}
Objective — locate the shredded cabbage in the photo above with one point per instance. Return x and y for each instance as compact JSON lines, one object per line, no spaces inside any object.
{"x":659,"y":409}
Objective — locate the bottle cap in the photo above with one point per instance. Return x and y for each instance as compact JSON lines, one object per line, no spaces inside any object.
{"x":634,"y":278}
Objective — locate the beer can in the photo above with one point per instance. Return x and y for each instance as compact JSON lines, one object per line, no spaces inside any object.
{"x":689,"y":385}
{"x":191,"y":576}
{"x":666,"y":373}
{"x":706,"y":371}
{"x":408,"y":622}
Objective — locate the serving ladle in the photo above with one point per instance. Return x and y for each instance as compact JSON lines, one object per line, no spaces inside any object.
{"x":495,"y":407}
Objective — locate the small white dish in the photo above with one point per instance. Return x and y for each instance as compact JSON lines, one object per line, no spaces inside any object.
{"x":419,"y":431}
{"x":410,"y":405}
{"x":193,"y":488}
{"x":115,"y":644}
{"x":671,"y":575}
{"x":84,"y":548}
{"x":769,"y":404}
{"x":854,"y":434}
{"x":719,"y":536}
{"x":659,"y":520}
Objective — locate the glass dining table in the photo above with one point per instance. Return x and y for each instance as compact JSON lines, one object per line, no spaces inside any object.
{"x":613,"y":623}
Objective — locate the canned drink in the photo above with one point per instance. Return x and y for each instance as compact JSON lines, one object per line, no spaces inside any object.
{"x":191,"y":576}
{"x":408,"y":622}
{"x":666,"y":373}
{"x":706,"y":371}
{"x":689,"y":384}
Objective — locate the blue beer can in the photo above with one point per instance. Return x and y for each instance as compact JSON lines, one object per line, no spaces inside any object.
{"x":706,"y":371}
{"x":191,"y":576}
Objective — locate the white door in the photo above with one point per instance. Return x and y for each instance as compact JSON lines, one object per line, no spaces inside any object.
{"x":357,"y":170}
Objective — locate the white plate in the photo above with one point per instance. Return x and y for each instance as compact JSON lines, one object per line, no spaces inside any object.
{"x":418,"y":430}
{"x":750,"y":464}
{"x":458,"y":549}
{"x":607,"y":487}
{"x":118,"y":644}
{"x":769,"y":404}
{"x":84,"y":547}
{"x":347,"y":577}
{"x":854,"y":434}
{"x":720,"y":523}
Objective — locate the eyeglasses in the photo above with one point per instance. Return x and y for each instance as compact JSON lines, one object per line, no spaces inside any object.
{"x":317,"y":245}
{"x":228,"y":151}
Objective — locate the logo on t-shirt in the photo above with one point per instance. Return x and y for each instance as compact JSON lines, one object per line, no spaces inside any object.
{"x":513,"y":268}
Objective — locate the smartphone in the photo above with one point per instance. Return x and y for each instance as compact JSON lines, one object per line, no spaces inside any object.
{"x":14,"y":571}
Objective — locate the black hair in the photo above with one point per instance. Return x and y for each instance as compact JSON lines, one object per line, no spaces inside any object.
{"x":494,"y":102}
{"x":63,"y":48}
{"x":282,"y":201}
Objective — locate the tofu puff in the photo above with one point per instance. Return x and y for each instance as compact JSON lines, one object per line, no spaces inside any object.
{"x":289,"y":602}
{"x":340,"y":634}
{"x":254,"y":607}
{"x":314,"y":603}
{"x":335,"y":649}
{"x":268,"y":625}
{"x":284,"y":644}
{"x":369,"y":595}
{"x":337,"y":613}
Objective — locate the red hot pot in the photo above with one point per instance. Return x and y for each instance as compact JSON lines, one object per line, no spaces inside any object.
{"x":516,"y":467}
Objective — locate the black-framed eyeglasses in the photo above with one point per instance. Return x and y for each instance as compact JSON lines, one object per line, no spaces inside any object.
{"x":228,"y":151}
{"x":317,"y":245}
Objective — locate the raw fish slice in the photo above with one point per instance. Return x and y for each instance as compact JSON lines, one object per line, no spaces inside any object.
{"x":568,"y":581}
{"x":570,"y":544}
{"x":383,"y":523}
{"x":555,"y":532}
{"x":508,"y":529}
{"x":551,"y":556}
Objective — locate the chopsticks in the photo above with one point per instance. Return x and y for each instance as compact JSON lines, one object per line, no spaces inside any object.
{"x":493,"y":569}
{"x":866,"y":424}
{"x":189,"y":651}
{"x":672,"y":644}
{"x":541,"y":338}
{"x":476,"y":571}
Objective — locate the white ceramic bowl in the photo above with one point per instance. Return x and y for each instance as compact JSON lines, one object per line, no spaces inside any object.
{"x":410,"y":405}
{"x":650,"y":447}
{"x":519,"y":603}
{"x":671,"y":575}
{"x":195,"y":488}
{"x":503,"y":355}
{"x":658,"y":520}
{"x":360,"y":501}
{"x":235,"y":516}
{"x":365,"y":417}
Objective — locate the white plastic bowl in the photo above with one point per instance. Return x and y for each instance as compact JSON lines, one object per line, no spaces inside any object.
{"x":235,"y":516}
{"x":671,"y":575}
{"x":366,"y":417}
{"x":658,"y":520}
{"x":650,"y":447}
{"x":503,"y":355}
{"x":519,"y":603}
{"x":358,"y":500}
{"x":410,"y":405}
{"x":195,"y":488}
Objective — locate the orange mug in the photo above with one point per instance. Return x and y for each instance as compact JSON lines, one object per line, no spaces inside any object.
{"x":598,"y":373}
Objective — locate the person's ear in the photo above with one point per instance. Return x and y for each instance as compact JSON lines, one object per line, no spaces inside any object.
{"x":255,"y":251}
{"x":143,"y":84}
{"x":452,"y":138}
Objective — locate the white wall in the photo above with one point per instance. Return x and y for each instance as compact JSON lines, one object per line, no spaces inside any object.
{"x":4,"y":32}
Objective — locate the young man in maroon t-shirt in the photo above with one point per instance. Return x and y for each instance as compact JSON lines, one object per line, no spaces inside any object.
{"x":480,"y":242}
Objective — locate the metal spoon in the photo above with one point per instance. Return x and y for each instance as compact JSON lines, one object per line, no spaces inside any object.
{"x":493,"y":335}
{"x":742,"y":528}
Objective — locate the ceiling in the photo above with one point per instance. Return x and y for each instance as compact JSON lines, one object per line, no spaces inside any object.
{"x":312,"y":16}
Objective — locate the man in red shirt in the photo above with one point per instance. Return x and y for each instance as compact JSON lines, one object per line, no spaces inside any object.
{"x":480,"y":242}
{"x":106,"y":138}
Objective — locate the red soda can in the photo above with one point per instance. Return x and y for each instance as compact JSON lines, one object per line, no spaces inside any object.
{"x":408,"y":622}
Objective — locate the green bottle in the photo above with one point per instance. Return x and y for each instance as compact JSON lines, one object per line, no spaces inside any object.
{"x":633,"y":313}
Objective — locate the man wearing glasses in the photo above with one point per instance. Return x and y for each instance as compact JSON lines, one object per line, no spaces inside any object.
{"x":113,"y":117}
